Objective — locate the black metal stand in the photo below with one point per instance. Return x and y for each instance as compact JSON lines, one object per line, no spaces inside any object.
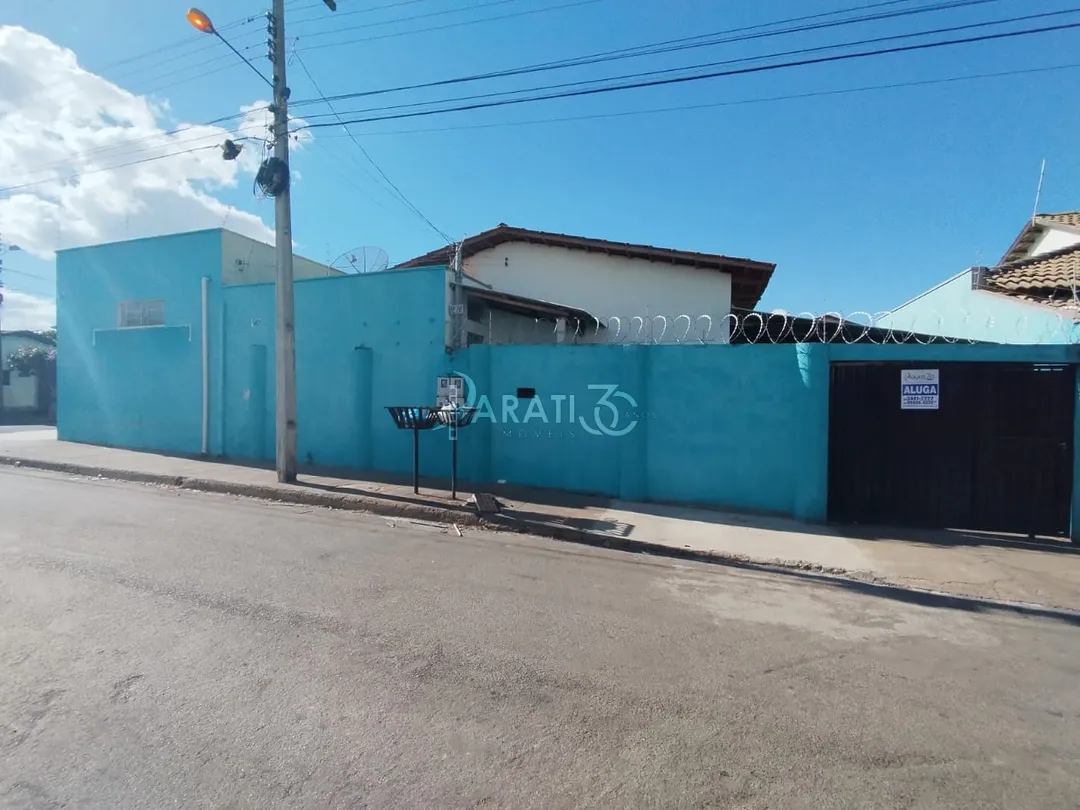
{"x":453,"y":464}
{"x":414,"y":418}
{"x":416,"y":460}
{"x":454,"y":419}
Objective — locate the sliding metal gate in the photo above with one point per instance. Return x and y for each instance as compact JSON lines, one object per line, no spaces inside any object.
{"x":991,"y":451}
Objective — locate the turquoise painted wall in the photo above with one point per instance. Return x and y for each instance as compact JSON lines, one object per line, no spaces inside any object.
{"x":139,"y":388}
{"x":363,"y":342}
{"x":738,"y":426}
{"x":742,"y":427}
{"x":953,"y":309}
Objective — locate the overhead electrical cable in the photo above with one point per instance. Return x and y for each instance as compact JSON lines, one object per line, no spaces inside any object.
{"x":366,"y":26}
{"x":741,"y":60}
{"x":731,"y":103}
{"x":400,"y":195}
{"x":447,"y":26}
{"x":339,"y":14}
{"x":668,"y":46}
{"x":85,"y":172}
{"x":673,"y":80}
{"x":125,"y":146}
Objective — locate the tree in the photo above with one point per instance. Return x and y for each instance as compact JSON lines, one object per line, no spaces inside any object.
{"x":39,"y":361}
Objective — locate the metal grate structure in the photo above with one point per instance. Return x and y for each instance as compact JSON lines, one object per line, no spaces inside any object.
{"x":414,"y":418}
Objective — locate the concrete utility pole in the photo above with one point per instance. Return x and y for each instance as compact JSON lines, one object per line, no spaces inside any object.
{"x":2,"y":251}
{"x":285,"y":340}
{"x":457,"y":308}
{"x":4,"y":248}
{"x":285,"y":331}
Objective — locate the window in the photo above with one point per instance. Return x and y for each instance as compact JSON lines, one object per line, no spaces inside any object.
{"x":141,"y":313}
{"x":476,"y":311}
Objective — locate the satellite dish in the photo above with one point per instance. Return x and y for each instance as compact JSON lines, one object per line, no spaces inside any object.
{"x":362,"y":260}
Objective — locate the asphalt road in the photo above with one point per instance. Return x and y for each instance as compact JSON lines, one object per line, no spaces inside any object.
{"x":172,"y":649}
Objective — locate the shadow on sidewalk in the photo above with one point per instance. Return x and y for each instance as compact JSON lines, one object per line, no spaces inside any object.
{"x":935,"y":600}
{"x":938,"y":538}
{"x":883,"y":590}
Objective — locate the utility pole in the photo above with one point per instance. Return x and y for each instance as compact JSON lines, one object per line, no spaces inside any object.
{"x":285,"y":348}
{"x":4,"y":248}
{"x":457,"y":308}
{"x":277,"y":170}
{"x":285,"y":331}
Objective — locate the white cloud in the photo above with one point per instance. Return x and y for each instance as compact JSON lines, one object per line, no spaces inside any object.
{"x":23,"y":311}
{"x":57,"y":120}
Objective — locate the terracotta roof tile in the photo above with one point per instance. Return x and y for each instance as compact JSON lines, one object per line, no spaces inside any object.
{"x":1070,"y":218}
{"x":1049,"y":278}
{"x":1034,"y":229}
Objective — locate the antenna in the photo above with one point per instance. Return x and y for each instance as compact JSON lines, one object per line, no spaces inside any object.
{"x":362,"y":260}
{"x":1038,"y":192}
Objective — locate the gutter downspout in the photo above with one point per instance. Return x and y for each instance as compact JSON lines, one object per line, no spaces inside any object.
{"x":205,"y":365}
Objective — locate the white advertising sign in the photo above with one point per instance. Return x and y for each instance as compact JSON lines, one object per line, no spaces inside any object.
{"x":920,"y":389}
{"x":450,"y":391}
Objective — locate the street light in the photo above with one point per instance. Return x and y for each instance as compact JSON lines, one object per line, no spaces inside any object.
{"x":200,"y":21}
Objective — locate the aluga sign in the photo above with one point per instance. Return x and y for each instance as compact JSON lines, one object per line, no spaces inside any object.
{"x":610,"y":412}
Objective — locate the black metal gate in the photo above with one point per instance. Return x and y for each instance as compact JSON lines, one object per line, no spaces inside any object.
{"x":991,"y":451}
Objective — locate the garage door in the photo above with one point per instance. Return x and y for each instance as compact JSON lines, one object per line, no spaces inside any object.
{"x":984,"y":446}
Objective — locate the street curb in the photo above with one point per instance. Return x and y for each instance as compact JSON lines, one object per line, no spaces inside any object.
{"x":284,"y":493}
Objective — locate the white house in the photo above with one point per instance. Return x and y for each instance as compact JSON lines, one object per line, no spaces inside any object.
{"x":20,"y":393}
{"x":518,"y":281}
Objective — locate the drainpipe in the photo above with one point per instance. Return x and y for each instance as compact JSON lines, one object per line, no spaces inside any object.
{"x":205,"y":365}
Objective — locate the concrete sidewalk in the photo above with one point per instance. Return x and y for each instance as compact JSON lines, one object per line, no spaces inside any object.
{"x":983,"y":566}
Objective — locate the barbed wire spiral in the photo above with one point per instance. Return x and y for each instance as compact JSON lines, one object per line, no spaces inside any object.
{"x":883,"y":328}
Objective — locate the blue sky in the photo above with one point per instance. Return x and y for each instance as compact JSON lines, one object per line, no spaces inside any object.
{"x":862,"y":199}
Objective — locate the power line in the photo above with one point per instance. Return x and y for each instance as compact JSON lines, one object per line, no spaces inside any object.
{"x":682,"y":43}
{"x":77,"y":175}
{"x":157,"y":52}
{"x":401,"y":195}
{"x":126,"y":145}
{"x":340,"y":14}
{"x":459,"y":24}
{"x":244,"y":59}
{"x":738,"y":102}
{"x":741,"y":60}
{"x":702,"y":77}
{"x":594,"y":91}
{"x":24,"y":273}
{"x":426,"y":15}
{"x":222,"y":64}
{"x":732,"y":103}
{"x":204,"y":66}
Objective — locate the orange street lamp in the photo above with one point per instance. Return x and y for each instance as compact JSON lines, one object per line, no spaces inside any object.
{"x":200,"y":21}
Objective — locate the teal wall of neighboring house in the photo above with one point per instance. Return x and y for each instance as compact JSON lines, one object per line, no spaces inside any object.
{"x":738,"y":426}
{"x":954,"y":309}
{"x":134,"y":387}
{"x":362,"y":342}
